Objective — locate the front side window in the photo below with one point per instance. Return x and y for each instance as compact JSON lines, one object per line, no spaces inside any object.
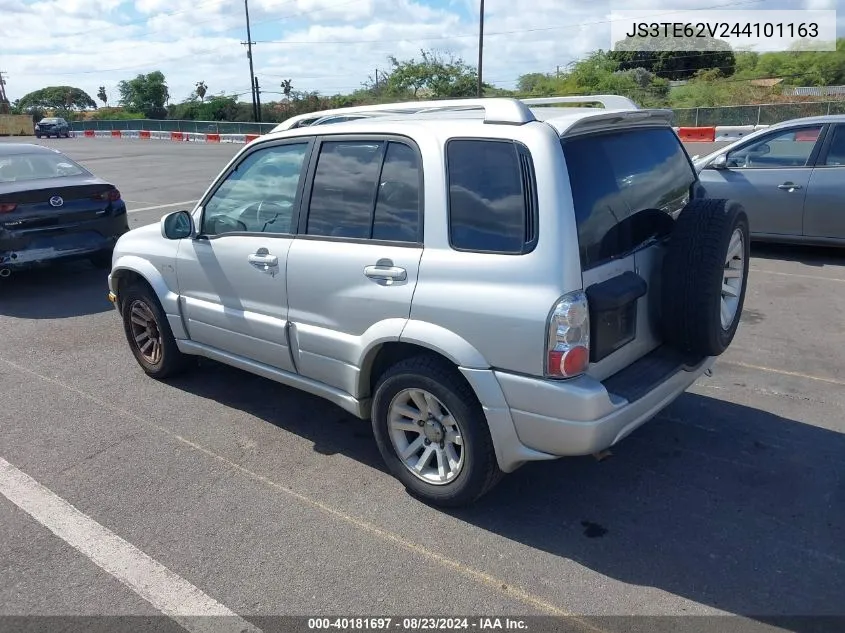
{"x":366,"y":190}
{"x":259,"y":195}
{"x":789,"y":148}
{"x":487,"y":201}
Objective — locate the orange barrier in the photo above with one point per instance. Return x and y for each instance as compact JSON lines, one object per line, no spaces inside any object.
{"x":115,"y":133}
{"x":697,"y":134}
{"x":144,"y":134}
{"x":89,"y":133}
{"x":176,"y":136}
{"x":251,"y":137}
{"x":212,"y":138}
{"x":807,"y":136}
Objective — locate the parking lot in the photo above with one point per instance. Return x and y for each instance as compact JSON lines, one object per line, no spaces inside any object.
{"x":269,"y":501}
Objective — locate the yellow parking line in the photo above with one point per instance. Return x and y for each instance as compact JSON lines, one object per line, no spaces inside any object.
{"x":784,"y":372}
{"x":478,"y":576}
{"x":775,"y":272}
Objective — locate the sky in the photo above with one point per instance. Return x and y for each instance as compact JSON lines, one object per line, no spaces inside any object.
{"x":330,"y":46}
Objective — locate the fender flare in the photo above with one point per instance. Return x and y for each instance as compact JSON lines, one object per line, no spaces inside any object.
{"x":131,"y":263}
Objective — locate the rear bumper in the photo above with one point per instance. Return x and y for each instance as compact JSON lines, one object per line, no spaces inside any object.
{"x":25,"y":249}
{"x":583,"y":416}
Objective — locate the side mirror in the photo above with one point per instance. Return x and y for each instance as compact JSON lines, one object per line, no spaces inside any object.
{"x":720,"y":162}
{"x":177,"y":225}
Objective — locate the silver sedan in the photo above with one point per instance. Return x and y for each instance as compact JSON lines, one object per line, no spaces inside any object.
{"x":790,"y":177}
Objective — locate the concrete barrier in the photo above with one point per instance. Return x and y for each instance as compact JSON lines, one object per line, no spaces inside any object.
{"x":130,"y":134}
{"x":144,"y":134}
{"x":732,"y":132}
{"x":233,"y":138}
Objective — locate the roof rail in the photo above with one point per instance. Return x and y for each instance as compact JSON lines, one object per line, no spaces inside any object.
{"x":496,"y":110}
{"x":608,"y":101}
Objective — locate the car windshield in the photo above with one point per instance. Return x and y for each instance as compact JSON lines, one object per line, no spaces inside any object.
{"x":18,"y":167}
{"x":49,"y":120}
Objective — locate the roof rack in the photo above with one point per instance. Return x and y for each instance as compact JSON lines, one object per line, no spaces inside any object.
{"x":502,"y":110}
{"x":496,"y":110}
{"x":611,"y":102}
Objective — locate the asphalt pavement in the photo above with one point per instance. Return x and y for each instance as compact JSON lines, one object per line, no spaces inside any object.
{"x":269,"y":501}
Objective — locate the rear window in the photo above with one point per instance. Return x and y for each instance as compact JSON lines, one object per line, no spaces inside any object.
{"x":627,"y":187}
{"x":18,"y":167}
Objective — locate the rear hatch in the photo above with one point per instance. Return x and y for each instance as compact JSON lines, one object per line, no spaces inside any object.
{"x":37,"y":207}
{"x":629,"y":183}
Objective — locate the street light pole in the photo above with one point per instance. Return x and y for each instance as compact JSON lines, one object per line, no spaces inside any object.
{"x":480,"y":44}
{"x":249,"y":44}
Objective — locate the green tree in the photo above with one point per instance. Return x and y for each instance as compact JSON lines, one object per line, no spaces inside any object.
{"x":686,"y":57}
{"x":102,"y":96}
{"x":145,"y":93}
{"x":61,"y":98}
{"x":201,"y":89}
{"x":287,"y":87}
{"x":434,"y":75}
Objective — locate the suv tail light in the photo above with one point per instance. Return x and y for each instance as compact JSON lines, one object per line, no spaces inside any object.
{"x":112,"y":195}
{"x":568,"y":342}
{"x":7,"y":207}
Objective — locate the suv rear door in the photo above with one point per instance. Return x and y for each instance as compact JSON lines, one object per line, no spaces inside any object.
{"x":352,"y":268}
{"x":628,"y":186}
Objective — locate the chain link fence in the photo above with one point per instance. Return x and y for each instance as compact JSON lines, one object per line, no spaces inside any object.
{"x":166,"y":125}
{"x":765,"y":114}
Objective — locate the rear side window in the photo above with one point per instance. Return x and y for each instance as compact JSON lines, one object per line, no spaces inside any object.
{"x":627,"y":187}
{"x":491,"y":196}
{"x":366,"y":190}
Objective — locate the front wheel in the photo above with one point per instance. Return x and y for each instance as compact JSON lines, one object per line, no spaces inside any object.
{"x":432,"y":432}
{"x":148,"y":334}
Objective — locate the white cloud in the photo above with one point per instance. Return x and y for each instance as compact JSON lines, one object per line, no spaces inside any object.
{"x":326,"y":45}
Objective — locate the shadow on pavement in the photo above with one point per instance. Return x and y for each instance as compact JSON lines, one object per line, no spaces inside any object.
{"x":331,"y":429}
{"x":729,"y":506}
{"x":56,"y":291}
{"x":725,"y":505}
{"x":809,"y":255}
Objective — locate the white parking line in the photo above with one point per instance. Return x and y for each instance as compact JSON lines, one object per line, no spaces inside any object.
{"x":166,"y":591}
{"x":777,"y":272}
{"x":161,"y":206}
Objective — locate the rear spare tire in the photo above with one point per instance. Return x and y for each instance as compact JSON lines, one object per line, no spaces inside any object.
{"x":705,"y":274}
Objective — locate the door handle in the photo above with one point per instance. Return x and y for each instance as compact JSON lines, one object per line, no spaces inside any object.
{"x":789,"y":186}
{"x":263,"y":260}
{"x":386,"y":273}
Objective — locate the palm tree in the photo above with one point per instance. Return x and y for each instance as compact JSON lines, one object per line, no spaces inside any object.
{"x":287,"y":87}
{"x":201,"y":90}
{"x":102,"y":96}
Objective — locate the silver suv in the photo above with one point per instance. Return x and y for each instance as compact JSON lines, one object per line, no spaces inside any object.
{"x":490,"y":281}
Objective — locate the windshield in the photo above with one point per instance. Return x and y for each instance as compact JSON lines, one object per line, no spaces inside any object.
{"x":18,"y":167}
{"x":627,"y":186}
{"x":49,"y":120}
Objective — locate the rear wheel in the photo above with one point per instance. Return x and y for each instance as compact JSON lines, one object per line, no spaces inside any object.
{"x":432,"y":432}
{"x":148,"y":333}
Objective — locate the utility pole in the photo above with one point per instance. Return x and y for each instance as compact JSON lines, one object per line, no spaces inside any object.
{"x":257,"y":101}
{"x":480,"y":44}
{"x":249,"y":44}
{"x":4,"y":102}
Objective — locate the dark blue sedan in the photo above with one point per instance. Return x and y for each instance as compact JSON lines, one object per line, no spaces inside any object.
{"x":53,"y":209}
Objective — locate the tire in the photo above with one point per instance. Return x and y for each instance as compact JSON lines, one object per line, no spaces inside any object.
{"x":170,"y":361}
{"x":693,"y":274}
{"x":102,"y":260}
{"x":478,"y":469}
